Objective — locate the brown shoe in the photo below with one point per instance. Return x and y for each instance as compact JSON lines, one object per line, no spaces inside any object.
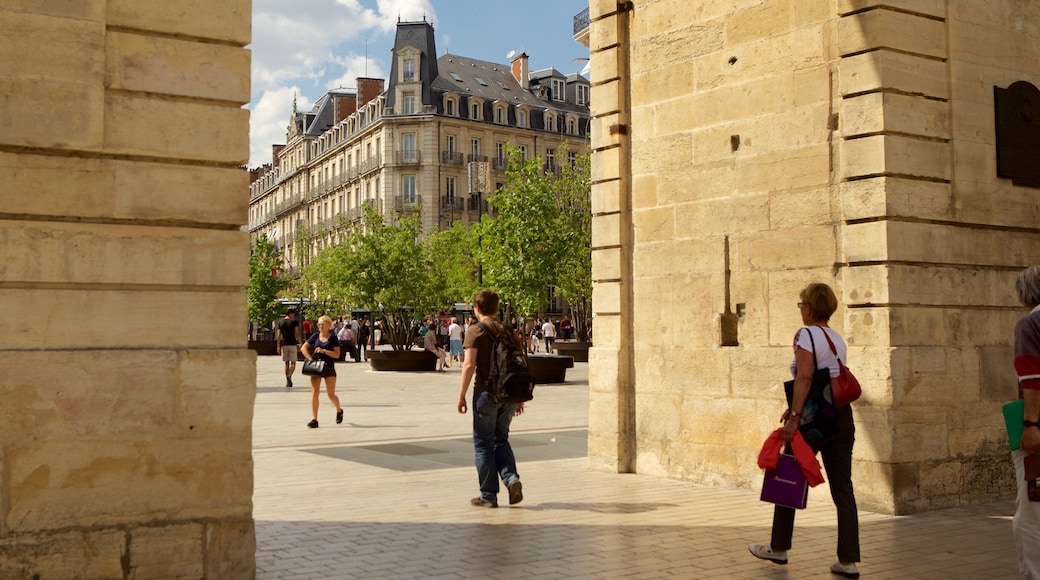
{"x":516,"y":492}
{"x":481,"y":502}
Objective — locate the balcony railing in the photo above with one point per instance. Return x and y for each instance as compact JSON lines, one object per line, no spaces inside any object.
{"x":370,"y":164}
{"x":471,"y":158}
{"x":581,"y":22}
{"x":405,"y":203}
{"x":450,"y":203}
{"x":451,"y":157}
{"x":472,"y":204}
{"x":499,"y":163}
{"x":407,"y":157}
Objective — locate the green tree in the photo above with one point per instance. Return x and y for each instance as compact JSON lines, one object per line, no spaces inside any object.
{"x":519,"y":248}
{"x":453,"y":255}
{"x":573,"y":188}
{"x":265,"y":281}
{"x":383,"y":265}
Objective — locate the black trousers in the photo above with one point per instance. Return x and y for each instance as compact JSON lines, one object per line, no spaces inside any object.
{"x":837,"y":460}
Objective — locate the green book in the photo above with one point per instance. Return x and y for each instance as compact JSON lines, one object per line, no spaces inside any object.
{"x":1014,"y":414}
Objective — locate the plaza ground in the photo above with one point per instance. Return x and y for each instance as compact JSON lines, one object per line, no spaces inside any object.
{"x":386,"y":495}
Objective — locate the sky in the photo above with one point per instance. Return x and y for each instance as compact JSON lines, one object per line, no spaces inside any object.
{"x":306,"y":47}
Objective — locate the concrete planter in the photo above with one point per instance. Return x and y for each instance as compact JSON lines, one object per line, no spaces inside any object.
{"x":264,"y":347}
{"x":547,"y":369}
{"x":402,"y":360}
{"x":578,"y":350}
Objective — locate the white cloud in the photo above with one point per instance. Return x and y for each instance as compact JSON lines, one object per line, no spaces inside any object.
{"x":270,"y":119}
{"x":303,"y":46}
{"x":355,"y":66}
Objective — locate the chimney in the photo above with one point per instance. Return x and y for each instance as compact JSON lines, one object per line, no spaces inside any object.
{"x":520,"y":72}
{"x":368,"y":89}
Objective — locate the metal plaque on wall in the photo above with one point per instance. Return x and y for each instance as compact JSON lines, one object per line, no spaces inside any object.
{"x":1017,"y":112}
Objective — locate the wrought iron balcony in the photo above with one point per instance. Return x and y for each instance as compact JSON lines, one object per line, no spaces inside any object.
{"x":450,"y":203}
{"x":581,"y":26}
{"x":499,"y":163}
{"x":451,"y":157}
{"x":471,"y":158}
{"x":407,"y":157}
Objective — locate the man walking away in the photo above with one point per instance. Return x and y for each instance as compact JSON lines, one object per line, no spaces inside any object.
{"x":287,"y":335}
{"x":492,"y":453}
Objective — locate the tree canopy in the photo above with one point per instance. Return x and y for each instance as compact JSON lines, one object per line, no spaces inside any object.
{"x":266,"y":280}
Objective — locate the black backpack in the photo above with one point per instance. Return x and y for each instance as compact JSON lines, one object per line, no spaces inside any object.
{"x":508,"y":379}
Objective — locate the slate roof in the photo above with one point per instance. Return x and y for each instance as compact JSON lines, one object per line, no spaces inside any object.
{"x":499,"y":83}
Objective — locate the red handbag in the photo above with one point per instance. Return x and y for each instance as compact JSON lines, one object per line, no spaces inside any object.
{"x":845,"y":387}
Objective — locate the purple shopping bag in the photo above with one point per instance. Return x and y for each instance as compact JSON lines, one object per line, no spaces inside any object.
{"x":786,"y":485}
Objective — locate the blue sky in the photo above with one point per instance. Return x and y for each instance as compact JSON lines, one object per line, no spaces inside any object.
{"x":306,"y":47}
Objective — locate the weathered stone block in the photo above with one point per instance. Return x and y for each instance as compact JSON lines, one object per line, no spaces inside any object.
{"x":667,"y":49}
{"x":756,"y":21}
{"x":811,"y":247}
{"x":895,"y":155}
{"x":606,"y":197}
{"x":106,"y":323}
{"x":897,"y":197}
{"x":214,"y":388}
{"x":927,"y":7}
{"x":997,"y":379}
{"x":644,"y":191}
{"x":806,"y":167}
{"x":68,"y":253}
{"x":1003,"y":47}
{"x":606,"y":264}
{"x":604,"y":33}
{"x":600,"y":128}
{"x":75,"y":121}
{"x":800,"y":208}
{"x":894,"y":71}
{"x":607,"y":298}
{"x":893,"y":113}
{"x":67,"y":554}
{"x":654,"y":224}
{"x":698,"y":257}
{"x":171,"y":551}
{"x":142,"y":125}
{"x":90,"y":482}
{"x":606,"y":230}
{"x":59,"y":49}
{"x":605,"y":164}
{"x":230,"y":549}
{"x":110,"y":189}
{"x":735,"y":215}
{"x":900,"y":31}
{"x":654,"y":311}
{"x":228,"y":21}
{"x":605,"y":63}
{"x":76,"y":9}
{"x":169,"y":66}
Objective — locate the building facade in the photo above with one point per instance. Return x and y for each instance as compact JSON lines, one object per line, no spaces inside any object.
{"x":407,"y":144}
{"x":743,"y":149}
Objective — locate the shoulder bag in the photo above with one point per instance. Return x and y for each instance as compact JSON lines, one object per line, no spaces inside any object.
{"x":819,"y":415}
{"x":844,"y":387}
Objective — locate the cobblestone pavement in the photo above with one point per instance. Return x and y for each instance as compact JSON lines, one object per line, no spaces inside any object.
{"x":386,"y":495}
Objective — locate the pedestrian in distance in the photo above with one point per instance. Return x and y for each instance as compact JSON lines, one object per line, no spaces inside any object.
{"x":1026,"y":524}
{"x":430,"y":344}
{"x":492,"y":452}
{"x":362,"y":336}
{"x":455,"y":340}
{"x":287,"y":337}
{"x":549,"y":332}
{"x":817,"y":303}
{"x":346,"y":343}
{"x":325,"y":346}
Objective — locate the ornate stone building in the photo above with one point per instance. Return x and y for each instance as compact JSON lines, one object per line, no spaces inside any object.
{"x":409,"y":147}
{"x":743,"y":149}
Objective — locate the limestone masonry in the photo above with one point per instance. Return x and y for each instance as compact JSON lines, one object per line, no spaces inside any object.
{"x":844,"y":141}
{"x":127,"y":391}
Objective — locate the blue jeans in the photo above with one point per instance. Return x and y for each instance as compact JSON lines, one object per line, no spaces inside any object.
{"x":491,"y":449}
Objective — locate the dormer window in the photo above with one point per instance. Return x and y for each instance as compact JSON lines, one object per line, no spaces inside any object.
{"x":409,"y":70}
{"x":449,"y":107}
{"x":474,"y":110}
{"x":550,"y":121}
{"x":501,"y":114}
{"x":583,"y":94}
{"x":558,"y":93}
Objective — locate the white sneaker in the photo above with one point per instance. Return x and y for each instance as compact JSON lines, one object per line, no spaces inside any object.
{"x":766,"y":552}
{"x":847,"y":570}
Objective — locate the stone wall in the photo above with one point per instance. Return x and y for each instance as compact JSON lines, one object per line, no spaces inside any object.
{"x":844,"y":141}
{"x":125,"y":429}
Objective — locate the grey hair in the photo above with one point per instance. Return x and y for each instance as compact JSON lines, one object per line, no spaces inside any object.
{"x":1028,"y":286}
